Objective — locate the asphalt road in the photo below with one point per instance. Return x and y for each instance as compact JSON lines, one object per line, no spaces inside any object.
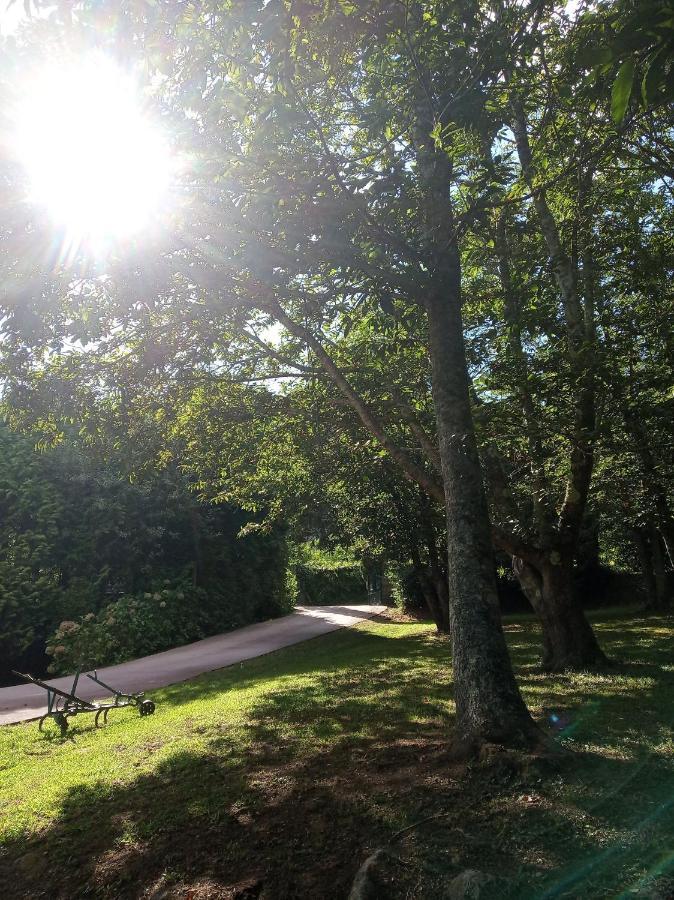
{"x":27,"y":701}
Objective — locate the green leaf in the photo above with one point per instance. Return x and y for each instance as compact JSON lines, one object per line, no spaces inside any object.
{"x":655,"y":77}
{"x":622,"y":90}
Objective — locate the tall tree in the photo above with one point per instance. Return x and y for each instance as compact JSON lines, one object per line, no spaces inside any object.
{"x":328,"y":130}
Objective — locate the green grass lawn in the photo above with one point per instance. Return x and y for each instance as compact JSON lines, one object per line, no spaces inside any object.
{"x":276,"y":778}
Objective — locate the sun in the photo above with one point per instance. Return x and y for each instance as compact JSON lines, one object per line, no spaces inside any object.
{"x":95,"y":160}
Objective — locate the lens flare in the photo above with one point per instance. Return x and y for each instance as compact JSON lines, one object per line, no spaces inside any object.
{"x":95,"y":161}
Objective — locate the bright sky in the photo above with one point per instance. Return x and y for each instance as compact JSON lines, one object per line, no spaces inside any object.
{"x":10,"y":16}
{"x":97,"y":163}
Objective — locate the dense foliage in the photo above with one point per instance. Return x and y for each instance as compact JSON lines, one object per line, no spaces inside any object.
{"x":328,"y":578}
{"x":135,"y":625}
{"x":129,"y":567}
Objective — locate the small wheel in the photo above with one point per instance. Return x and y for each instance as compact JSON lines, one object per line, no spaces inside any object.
{"x":62,"y":722}
{"x":42,"y":721}
{"x":146,"y":708}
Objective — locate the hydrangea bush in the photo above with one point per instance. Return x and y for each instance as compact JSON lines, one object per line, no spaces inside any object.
{"x":138,"y":624}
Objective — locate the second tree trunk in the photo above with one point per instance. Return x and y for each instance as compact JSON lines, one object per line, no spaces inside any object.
{"x":568,"y":639}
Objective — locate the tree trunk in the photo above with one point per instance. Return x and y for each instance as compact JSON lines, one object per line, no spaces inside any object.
{"x":659,"y":570}
{"x":433,"y":584}
{"x":666,"y":525}
{"x":489,"y":706}
{"x":439,"y":580}
{"x":434,"y":600}
{"x":568,"y":639}
{"x":642,"y":544}
{"x":488,"y":702}
{"x":543,"y":514}
{"x":653,"y":569}
{"x":652,"y":480}
{"x":436,"y":579}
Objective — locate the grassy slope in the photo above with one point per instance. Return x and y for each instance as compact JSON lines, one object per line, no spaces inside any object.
{"x":276,"y":777}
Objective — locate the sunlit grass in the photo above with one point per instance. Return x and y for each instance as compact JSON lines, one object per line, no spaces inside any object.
{"x":249,"y":742}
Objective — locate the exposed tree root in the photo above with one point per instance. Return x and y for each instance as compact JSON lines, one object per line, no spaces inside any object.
{"x":532,"y":741}
{"x":414,"y":825}
{"x":366,"y":885}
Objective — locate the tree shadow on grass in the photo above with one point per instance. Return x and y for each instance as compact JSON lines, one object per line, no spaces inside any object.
{"x":330,"y":767}
{"x":269,"y":817}
{"x":226,"y":819}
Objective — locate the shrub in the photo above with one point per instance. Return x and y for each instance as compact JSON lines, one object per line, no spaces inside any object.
{"x":77,"y":536}
{"x":330,"y":587}
{"x":405,"y":587}
{"x":134,"y":625}
{"x":151,"y":621}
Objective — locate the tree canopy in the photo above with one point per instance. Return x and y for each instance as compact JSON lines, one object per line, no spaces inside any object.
{"x":416,"y":269}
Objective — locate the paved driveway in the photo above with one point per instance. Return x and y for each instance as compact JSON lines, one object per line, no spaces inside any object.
{"x":28,"y":701}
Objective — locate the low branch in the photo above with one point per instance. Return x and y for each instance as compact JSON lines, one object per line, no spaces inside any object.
{"x":369,"y":419}
{"x":426,"y":442}
{"x":515,"y":546}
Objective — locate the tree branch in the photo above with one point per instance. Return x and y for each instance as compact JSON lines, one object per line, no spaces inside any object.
{"x":411,"y":469}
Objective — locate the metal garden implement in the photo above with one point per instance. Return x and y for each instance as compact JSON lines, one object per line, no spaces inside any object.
{"x":62,"y":705}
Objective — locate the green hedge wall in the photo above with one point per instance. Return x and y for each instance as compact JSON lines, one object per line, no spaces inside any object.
{"x":330,"y":587}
